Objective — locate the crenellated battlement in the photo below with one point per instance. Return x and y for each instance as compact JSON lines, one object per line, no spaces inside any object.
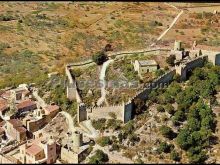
{"x":124,"y":111}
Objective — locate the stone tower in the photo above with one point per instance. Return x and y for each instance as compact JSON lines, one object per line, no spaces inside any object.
{"x":77,"y":139}
{"x":177,"y":45}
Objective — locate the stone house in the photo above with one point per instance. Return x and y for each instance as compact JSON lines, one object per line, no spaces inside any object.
{"x":39,"y":152}
{"x":145,"y":66}
{"x":51,"y":109}
{"x":21,"y":92}
{"x":26,"y":105}
{"x":15,"y":129}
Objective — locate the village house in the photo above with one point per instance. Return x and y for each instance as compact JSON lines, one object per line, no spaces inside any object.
{"x":15,"y":130}
{"x":51,"y":109}
{"x":21,"y":92}
{"x":26,"y":105}
{"x":39,"y":152}
{"x":145,"y":66}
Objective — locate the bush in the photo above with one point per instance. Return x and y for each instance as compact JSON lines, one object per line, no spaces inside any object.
{"x":159,"y":72}
{"x":112,"y":115}
{"x":99,"y":157}
{"x":165,"y":147}
{"x":99,"y":58}
{"x":171,"y":59}
{"x":179,"y":116}
{"x":160,"y":108}
{"x":166,"y":131}
{"x":169,"y":108}
{"x":99,"y":124}
{"x":103,"y":141}
{"x":115,"y":147}
{"x":175,"y":156}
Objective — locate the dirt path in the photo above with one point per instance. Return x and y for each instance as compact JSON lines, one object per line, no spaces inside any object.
{"x":171,"y":25}
{"x":102,"y":79}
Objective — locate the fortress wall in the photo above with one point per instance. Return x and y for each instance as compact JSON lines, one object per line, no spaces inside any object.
{"x":213,"y":56}
{"x":197,"y":62}
{"x":144,"y":51}
{"x":183,"y":70}
{"x":124,"y":112}
{"x":159,"y":82}
{"x":127,"y":111}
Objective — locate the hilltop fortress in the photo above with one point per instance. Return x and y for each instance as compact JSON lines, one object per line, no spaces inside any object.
{"x":124,"y":111}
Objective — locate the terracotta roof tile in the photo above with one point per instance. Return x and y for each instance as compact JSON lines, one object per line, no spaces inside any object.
{"x":15,"y":122}
{"x":51,"y":108}
{"x":25,"y":103}
{"x":34,"y":149}
{"x":20,"y":129}
{"x":2,"y":123}
{"x":1,"y":130}
{"x":3,"y":104}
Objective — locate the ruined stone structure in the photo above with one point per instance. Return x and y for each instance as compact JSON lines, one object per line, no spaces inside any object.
{"x":124,"y":112}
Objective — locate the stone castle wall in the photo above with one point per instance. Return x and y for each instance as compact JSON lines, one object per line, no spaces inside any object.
{"x":124,"y":112}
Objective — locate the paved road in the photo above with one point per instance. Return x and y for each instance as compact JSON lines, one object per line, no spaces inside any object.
{"x":102,"y":79}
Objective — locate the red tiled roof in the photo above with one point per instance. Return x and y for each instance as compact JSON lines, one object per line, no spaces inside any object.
{"x":3,"y":107}
{"x":15,"y":122}
{"x":25,"y":103}
{"x":20,"y":129}
{"x":1,"y":130}
{"x":34,"y":149}
{"x":3,"y":104}
{"x":2,"y":123}
{"x":6,"y":94}
{"x":51,"y":108}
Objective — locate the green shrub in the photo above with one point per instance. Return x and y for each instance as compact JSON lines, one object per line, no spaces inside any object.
{"x":103,"y":141}
{"x":166,"y":131}
{"x":160,"y":108}
{"x":99,"y":58}
{"x":175,"y":156}
{"x":99,"y":158}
